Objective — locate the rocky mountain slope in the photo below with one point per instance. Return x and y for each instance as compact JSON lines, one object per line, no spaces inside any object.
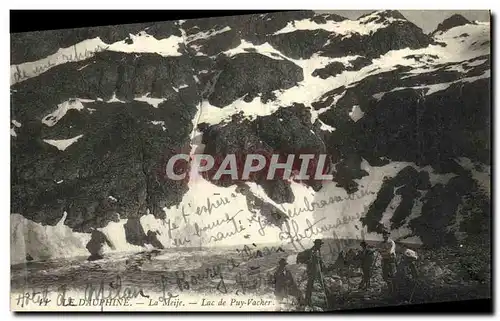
{"x":97,"y":112}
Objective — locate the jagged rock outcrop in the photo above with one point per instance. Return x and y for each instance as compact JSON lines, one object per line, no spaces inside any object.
{"x":123,"y":157}
{"x":254,"y":28}
{"x":288,"y":131}
{"x":323,"y":18}
{"x":398,"y":33}
{"x":220,"y":41}
{"x":300,"y":44}
{"x":439,"y":211}
{"x":135,"y":234}
{"x":430,"y":125}
{"x":443,"y":211}
{"x":337,"y":67}
{"x":409,"y":184}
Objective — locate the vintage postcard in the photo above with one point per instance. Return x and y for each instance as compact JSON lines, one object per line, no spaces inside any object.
{"x":285,"y":161}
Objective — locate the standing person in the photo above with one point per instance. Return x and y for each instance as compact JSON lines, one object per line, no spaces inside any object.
{"x":407,"y":275}
{"x":284,"y":284}
{"x":315,"y":268}
{"x":387,"y":251}
{"x":367,"y":257}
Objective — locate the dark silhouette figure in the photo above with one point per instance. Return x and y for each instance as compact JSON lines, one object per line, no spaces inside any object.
{"x":284,"y":284}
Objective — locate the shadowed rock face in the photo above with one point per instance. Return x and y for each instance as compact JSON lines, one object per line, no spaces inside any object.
{"x":96,"y":244}
{"x":300,"y":44}
{"x":217,"y":43}
{"x":254,"y":28}
{"x":270,"y":213}
{"x":408,"y":183}
{"x":116,"y":170}
{"x":325,"y":17}
{"x":438,"y":212}
{"x":288,"y":131}
{"x":122,"y":158}
{"x":336,"y":67}
{"x":398,"y":35}
{"x":440,"y":205}
{"x":124,"y":147}
{"x":31,"y":46}
{"x":134,"y":233}
{"x":381,"y":16}
{"x":451,"y":22}
{"x":332,"y":69}
{"x":106,"y":74}
{"x":408,"y":124}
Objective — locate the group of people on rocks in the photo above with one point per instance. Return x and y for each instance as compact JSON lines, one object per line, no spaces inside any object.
{"x":397,"y":276}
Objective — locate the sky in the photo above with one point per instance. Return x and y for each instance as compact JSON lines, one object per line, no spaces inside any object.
{"x":425,"y":19}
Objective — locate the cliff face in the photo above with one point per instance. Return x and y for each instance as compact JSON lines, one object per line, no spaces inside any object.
{"x":91,"y":134}
{"x":116,"y":141}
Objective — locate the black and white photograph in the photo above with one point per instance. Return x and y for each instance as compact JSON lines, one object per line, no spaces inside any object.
{"x":279,"y":161}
